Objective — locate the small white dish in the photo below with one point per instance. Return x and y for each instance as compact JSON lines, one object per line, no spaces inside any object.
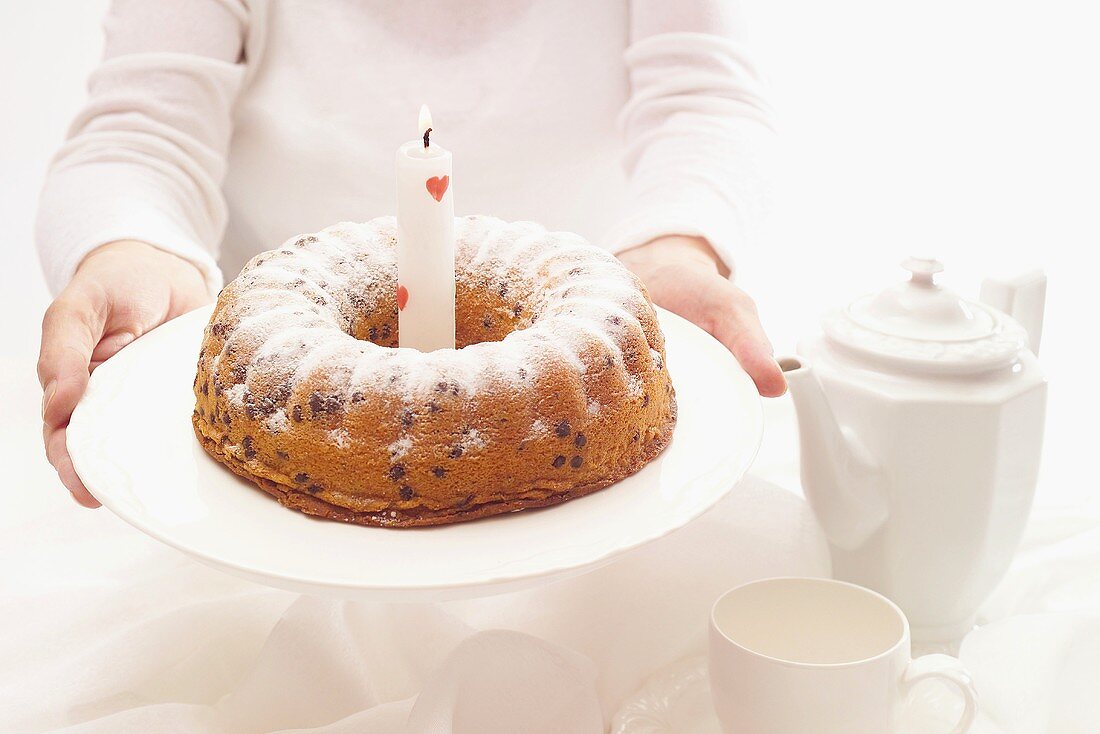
{"x":132,"y":444}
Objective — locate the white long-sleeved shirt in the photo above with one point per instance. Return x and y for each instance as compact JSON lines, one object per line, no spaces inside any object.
{"x":216,"y":129}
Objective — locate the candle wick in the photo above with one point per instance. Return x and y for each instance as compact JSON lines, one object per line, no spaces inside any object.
{"x":426,"y":134}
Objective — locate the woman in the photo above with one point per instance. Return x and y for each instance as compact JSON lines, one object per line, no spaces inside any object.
{"x":218,"y":128}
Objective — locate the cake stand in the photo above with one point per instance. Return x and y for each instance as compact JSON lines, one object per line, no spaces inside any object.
{"x":132,"y":444}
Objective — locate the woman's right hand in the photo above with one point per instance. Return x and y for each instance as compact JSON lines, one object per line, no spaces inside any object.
{"x":120,"y":291}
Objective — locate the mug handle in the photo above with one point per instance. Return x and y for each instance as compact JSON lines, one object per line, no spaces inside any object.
{"x":947,"y":668}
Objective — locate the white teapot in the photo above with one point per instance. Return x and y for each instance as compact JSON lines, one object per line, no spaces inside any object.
{"x":921,"y":423}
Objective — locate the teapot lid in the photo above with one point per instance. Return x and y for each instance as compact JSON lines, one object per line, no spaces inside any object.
{"x":919,"y":323}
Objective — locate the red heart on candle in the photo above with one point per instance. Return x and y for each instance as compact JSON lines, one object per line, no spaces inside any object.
{"x":402,"y":297}
{"x":437,"y":186}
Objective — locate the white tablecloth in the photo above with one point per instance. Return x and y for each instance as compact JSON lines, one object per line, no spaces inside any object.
{"x":105,"y":630}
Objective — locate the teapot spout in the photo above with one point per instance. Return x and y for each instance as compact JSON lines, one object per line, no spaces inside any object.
{"x":843,"y":482}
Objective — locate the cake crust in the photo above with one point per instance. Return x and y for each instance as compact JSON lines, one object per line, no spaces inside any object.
{"x":558,"y":388}
{"x":309,"y":504}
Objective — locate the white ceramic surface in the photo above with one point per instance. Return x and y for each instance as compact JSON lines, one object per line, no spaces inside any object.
{"x":921,"y":421}
{"x":132,"y":443}
{"x":676,"y":700}
{"x":798,"y":655}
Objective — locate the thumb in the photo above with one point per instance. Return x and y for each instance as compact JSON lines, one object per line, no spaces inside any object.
{"x":71,"y":328}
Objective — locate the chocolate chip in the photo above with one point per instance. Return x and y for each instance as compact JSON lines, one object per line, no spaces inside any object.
{"x":282,"y":455}
{"x":645,"y":400}
{"x":281,"y":393}
{"x":249,"y":451}
{"x":487,"y":322}
{"x":406,"y":418}
{"x":559,"y":461}
{"x":635,"y":437}
{"x":456,"y":451}
{"x":372,"y":333}
{"x":439,"y":471}
{"x":406,"y":492}
{"x":206,"y":388}
{"x":258,"y":407}
{"x":324,"y":404}
{"x":357,"y":397}
{"x":517,"y":310}
{"x":226,"y":419}
{"x":563,"y":429}
{"x":314,"y":488}
{"x":386,"y":331}
{"x":397,"y":471}
{"x":576,"y":462}
{"x":441,"y":387}
{"x":301,"y":478}
{"x":580,"y":441}
{"x":296,"y":413}
{"x":608,"y":361}
{"x":433,"y":407}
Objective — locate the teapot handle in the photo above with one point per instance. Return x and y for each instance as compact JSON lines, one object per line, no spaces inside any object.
{"x":1022,"y":297}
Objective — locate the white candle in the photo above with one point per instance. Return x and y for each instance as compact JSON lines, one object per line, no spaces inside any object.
{"x":425,"y":243}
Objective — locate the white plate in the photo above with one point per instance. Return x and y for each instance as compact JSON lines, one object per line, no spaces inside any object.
{"x":132,"y":444}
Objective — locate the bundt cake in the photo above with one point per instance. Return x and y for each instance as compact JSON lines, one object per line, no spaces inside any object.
{"x":557,"y":387}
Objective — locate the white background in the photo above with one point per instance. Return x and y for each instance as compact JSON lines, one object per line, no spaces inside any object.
{"x":965,"y":129}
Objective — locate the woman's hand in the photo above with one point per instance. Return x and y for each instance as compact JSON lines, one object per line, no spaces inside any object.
{"x":682,"y":274}
{"x":120,"y":291}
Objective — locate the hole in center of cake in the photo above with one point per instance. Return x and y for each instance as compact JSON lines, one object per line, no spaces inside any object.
{"x":488,"y":308}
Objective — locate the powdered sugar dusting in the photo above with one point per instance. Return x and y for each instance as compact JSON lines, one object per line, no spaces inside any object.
{"x":236,"y":393}
{"x":291,"y":321}
{"x":473,"y":439}
{"x":400,"y":447}
{"x":277,"y":422}
{"x":340,"y":437}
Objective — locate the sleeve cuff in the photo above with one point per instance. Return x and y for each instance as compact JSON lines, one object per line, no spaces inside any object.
{"x":151,"y":228}
{"x":635,"y":231}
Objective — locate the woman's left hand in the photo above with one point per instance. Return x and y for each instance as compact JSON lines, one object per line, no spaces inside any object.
{"x":682,"y":275}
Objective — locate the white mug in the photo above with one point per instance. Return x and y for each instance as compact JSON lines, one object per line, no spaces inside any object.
{"x":798,"y":655}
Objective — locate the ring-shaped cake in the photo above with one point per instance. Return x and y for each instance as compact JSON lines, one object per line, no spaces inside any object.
{"x":557,"y":388}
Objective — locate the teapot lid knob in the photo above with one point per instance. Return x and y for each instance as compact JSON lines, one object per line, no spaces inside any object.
{"x":923,"y":269}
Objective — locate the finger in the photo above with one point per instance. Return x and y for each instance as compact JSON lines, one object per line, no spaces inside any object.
{"x":58,"y":454}
{"x":109,"y":346}
{"x":738,"y":327}
{"x":756,"y":359}
{"x":71,"y":328}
